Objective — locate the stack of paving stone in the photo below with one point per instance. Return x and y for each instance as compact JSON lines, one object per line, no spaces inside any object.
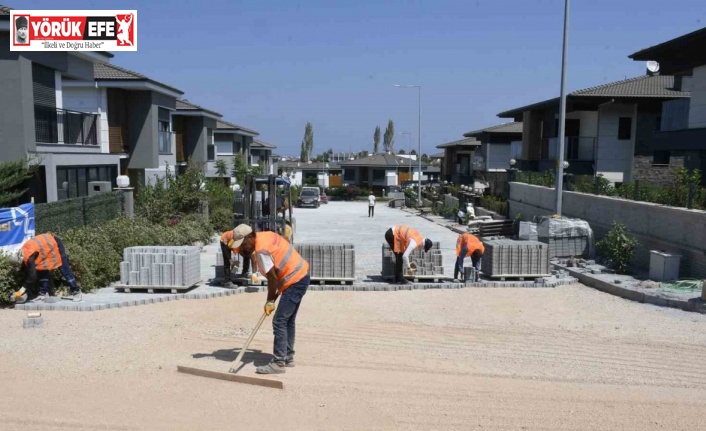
{"x":329,"y":262}
{"x":509,"y":258}
{"x":164,"y":267}
{"x":429,"y":265}
{"x":33,"y":322}
{"x":566,"y":237}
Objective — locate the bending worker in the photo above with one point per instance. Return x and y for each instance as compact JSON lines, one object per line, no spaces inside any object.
{"x":227,"y":249}
{"x":468,"y":245}
{"x":41,"y":255}
{"x":287,"y":276}
{"x":403,"y":240}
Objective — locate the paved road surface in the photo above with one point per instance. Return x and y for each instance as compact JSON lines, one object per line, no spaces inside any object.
{"x":348,"y":222}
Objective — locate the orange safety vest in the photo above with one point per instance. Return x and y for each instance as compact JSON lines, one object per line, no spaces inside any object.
{"x":472,"y":244}
{"x":289,"y":267}
{"x":226,"y":238}
{"x":49,"y":257}
{"x":403,"y":235}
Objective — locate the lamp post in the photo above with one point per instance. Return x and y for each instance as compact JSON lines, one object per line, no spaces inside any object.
{"x":419,"y":133}
{"x":409,"y":143}
{"x":562,"y":113}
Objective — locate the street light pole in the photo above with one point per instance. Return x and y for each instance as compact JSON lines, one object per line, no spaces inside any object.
{"x":419,"y":133}
{"x":409,"y":143}
{"x":562,"y":114}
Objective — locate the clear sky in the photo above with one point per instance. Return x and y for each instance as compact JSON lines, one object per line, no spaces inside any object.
{"x":273,"y":65}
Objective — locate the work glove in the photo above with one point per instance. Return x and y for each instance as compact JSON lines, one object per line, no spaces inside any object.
{"x":228,"y":285}
{"x":269,"y":307}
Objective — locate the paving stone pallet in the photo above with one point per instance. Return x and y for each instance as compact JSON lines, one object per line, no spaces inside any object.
{"x":428,"y":264}
{"x":506,"y":258}
{"x":329,"y":261}
{"x":170,"y":267}
{"x":152,"y":289}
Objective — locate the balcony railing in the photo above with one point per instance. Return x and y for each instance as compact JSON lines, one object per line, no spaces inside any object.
{"x":577,"y":148}
{"x":165,"y":142}
{"x":60,"y":126}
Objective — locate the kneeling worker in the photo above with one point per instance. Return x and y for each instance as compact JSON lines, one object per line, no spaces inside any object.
{"x":227,"y":249}
{"x":41,"y":255}
{"x":287,"y":276}
{"x":468,"y":245}
{"x":403,"y":240}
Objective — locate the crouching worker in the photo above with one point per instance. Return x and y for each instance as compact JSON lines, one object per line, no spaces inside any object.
{"x":468,"y":245}
{"x":227,"y":249}
{"x":41,"y":255}
{"x":403,"y":240}
{"x":287,"y":277}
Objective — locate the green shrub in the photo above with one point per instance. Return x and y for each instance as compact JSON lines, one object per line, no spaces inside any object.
{"x":495,"y":204}
{"x":348,"y":193}
{"x":618,"y":246}
{"x":10,"y":279}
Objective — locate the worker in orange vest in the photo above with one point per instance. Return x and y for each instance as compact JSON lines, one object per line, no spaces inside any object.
{"x":227,"y":249}
{"x":41,"y":255}
{"x":287,"y":277}
{"x":468,"y":245}
{"x":403,"y":240}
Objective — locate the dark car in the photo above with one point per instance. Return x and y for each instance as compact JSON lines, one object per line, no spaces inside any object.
{"x":308,"y":198}
{"x":324,"y":198}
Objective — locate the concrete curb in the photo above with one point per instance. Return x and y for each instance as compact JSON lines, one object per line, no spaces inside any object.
{"x":696,"y":304}
{"x":369,"y":287}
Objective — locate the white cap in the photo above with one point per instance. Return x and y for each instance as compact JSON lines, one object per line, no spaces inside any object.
{"x":239,"y":234}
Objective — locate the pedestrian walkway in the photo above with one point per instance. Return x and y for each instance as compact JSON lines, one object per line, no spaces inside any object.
{"x":348,"y":222}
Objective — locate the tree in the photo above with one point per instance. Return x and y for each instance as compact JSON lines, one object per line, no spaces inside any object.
{"x":376,"y":140}
{"x":221,"y":168}
{"x":13,"y":177}
{"x":239,"y":170}
{"x":389,"y":139}
{"x":401,"y":152}
{"x":307,"y":142}
{"x":413,"y":152}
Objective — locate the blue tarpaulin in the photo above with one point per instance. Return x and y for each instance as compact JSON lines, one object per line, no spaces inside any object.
{"x":16,"y":226}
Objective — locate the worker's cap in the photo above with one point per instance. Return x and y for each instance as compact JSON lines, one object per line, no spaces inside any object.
{"x":427,"y":245}
{"x":239,"y":234}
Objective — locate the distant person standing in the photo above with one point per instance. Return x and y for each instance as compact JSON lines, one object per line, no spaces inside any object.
{"x":371,"y":205}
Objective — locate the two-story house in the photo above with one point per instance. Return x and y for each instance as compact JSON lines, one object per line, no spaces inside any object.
{"x":231,"y":139}
{"x":457,"y":162}
{"x":683,"y":123}
{"x":606,"y":126}
{"x":261,"y":155}
{"x":381,"y":171}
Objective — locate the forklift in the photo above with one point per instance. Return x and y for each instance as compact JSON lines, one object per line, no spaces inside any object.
{"x":263,"y":214}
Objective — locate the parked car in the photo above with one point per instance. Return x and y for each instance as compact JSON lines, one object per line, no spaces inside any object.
{"x":308,"y":198}
{"x":323,"y":198}
{"x":315,"y":190}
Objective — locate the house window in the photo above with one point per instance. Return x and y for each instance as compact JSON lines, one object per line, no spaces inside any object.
{"x":658,"y":124}
{"x":378,"y":175}
{"x":661,"y":158}
{"x":72,"y":181}
{"x":349,"y":175}
{"x":624,"y":128}
{"x":165,"y":138}
{"x":224,"y":147}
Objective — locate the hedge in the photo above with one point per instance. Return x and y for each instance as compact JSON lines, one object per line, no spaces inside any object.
{"x":95,"y":252}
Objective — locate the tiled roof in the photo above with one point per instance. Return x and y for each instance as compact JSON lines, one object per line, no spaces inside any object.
{"x":185,"y":105}
{"x":318,"y":166}
{"x":256,"y":143}
{"x":391,"y":160}
{"x":515,"y":127}
{"x":468,"y":142}
{"x":659,"y":86}
{"x":111,"y":72}
{"x":656,"y":87}
{"x":440,"y":155}
{"x":226,"y":125}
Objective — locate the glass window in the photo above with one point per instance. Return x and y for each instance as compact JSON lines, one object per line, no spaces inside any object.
{"x":624,"y":128}
{"x":349,"y":175}
{"x":378,"y":174}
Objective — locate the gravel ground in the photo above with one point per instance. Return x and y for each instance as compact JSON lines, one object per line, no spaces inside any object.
{"x":564,"y":358}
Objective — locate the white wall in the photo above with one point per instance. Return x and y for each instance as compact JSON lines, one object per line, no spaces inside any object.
{"x":589,"y":122}
{"x":697,"y":108}
{"x":92,"y":101}
{"x":614,"y":158}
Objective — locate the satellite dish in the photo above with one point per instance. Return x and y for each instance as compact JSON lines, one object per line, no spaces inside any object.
{"x":652,"y":66}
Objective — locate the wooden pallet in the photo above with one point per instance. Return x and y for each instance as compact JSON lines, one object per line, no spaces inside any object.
{"x":518,"y":277}
{"x":439,"y":278}
{"x":151,"y":289}
{"x":344,"y":281}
